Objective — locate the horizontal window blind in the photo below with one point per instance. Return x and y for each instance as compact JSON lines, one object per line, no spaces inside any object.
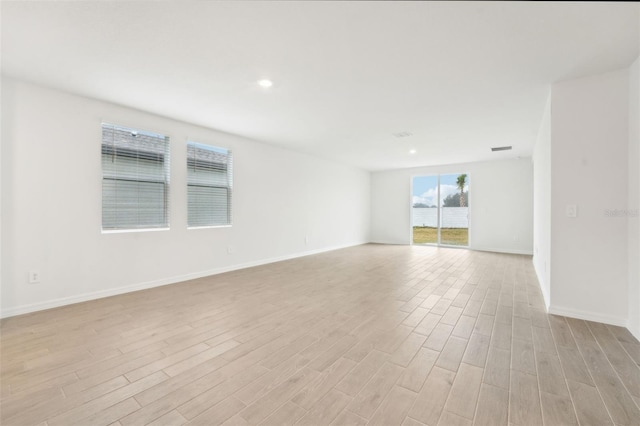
{"x":135,"y":179}
{"x":209,"y":185}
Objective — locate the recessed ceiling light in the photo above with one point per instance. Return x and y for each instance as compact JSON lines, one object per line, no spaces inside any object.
{"x":413,"y":151}
{"x":265,"y":83}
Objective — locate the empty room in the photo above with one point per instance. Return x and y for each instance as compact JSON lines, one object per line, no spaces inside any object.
{"x":319,"y":213}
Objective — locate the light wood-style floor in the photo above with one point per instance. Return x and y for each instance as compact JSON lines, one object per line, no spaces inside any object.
{"x":381,"y":335}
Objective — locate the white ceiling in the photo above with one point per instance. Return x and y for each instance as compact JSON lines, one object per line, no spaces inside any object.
{"x":460,"y":76}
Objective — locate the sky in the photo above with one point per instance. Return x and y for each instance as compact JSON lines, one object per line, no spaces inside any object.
{"x":425,"y":188}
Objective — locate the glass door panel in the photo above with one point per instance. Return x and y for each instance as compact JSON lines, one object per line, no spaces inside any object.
{"x":425,"y":210}
{"x":454,"y":209}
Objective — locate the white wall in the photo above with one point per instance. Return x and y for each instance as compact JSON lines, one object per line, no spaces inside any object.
{"x":634,"y":199}
{"x":542,"y":204}
{"x":51,"y":209}
{"x":589,"y":145}
{"x":500,"y":200}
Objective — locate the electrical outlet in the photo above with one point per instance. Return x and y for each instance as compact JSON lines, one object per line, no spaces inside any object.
{"x":230,"y":250}
{"x":572,"y":210}
{"x":306,"y":239}
{"x":34,"y":277}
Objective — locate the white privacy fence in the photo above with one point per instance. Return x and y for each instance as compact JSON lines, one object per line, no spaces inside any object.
{"x":452,"y":217}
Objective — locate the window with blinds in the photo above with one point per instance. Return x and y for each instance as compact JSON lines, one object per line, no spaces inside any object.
{"x":135,"y":179}
{"x":209,"y":185}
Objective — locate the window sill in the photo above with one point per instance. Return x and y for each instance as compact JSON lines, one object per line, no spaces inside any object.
{"x":127,"y":231}
{"x":208,"y":227}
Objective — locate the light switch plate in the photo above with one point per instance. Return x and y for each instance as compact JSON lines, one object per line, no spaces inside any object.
{"x":34,"y":277}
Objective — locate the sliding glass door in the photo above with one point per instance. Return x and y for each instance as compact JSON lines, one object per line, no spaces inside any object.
{"x":440,"y":209}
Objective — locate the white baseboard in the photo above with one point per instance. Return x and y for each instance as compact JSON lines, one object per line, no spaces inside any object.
{"x":69,"y":300}
{"x":507,"y":251}
{"x":404,"y":243}
{"x":391,"y":243}
{"x":543,"y":290}
{"x":588,"y":316}
{"x":578,"y":314}
{"x":635,"y":331}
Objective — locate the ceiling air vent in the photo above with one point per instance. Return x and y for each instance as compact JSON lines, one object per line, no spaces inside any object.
{"x":402,"y":134}
{"x":500,"y":148}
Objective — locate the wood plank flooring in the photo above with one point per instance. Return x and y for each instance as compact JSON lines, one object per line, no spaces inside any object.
{"x":380,"y":335}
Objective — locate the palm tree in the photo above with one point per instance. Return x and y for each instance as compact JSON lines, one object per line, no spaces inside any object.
{"x":461,"y":182}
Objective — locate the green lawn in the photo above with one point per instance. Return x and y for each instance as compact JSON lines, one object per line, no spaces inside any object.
{"x":452,"y":236}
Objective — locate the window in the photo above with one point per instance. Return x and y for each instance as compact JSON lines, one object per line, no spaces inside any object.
{"x":135,"y":179}
{"x":209,"y":185}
